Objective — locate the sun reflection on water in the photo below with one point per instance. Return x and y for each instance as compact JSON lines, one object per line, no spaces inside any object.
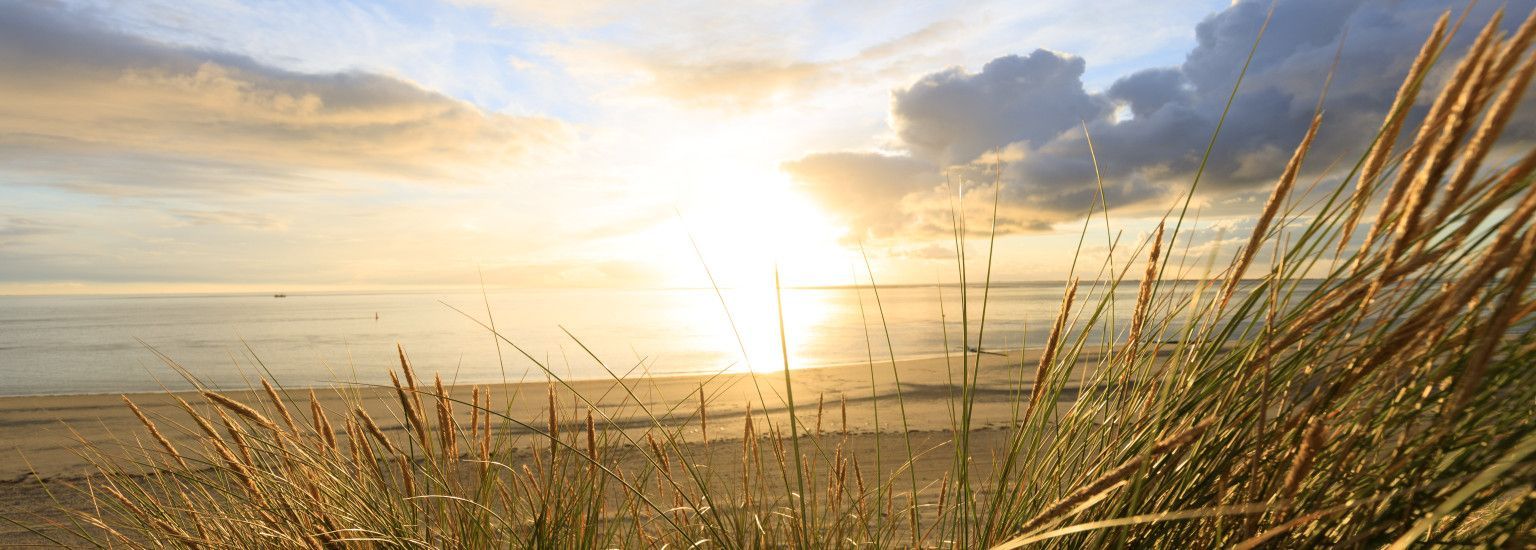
{"x":755,"y":315}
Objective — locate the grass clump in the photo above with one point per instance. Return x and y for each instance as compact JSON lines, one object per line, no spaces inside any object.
{"x":1372,"y":386}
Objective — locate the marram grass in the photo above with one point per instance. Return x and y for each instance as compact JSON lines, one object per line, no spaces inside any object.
{"x":1388,"y":401}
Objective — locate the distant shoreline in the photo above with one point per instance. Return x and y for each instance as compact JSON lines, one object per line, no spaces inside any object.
{"x":269,"y":291}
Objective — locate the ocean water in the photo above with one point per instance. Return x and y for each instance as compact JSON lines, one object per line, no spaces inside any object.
{"x":120,"y":343}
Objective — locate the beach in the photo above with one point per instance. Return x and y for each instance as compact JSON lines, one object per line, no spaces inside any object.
{"x":41,"y":433}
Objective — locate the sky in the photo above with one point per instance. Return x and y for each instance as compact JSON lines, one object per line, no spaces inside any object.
{"x":219,"y":145}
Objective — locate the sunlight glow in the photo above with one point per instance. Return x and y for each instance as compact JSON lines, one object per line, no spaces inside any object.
{"x":766,"y":224}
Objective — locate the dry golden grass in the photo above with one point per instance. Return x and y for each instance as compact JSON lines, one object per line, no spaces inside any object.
{"x":1380,"y":398}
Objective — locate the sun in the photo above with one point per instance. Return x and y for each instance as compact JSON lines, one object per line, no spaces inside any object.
{"x":753,"y":234}
{"x":762,"y":224}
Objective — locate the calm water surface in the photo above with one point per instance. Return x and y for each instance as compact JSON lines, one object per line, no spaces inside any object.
{"x":95,"y":344}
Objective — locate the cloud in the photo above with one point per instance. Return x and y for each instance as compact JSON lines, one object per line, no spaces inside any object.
{"x":15,"y":230}
{"x":1150,"y":128}
{"x":953,"y":116}
{"x":888,"y":196}
{"x":570,"y":13}
{"x":741,"y":81}
{"x":107,"y":169}
{"x":727,"y":56}
{"x":1175,"y":109}
{"x":250,"y":220}
{"x":90,"y":107}
{"x":693,"y":79}
{"x":865,"y":185}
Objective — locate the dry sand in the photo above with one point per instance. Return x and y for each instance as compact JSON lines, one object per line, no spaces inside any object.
{"x":39,"y":435}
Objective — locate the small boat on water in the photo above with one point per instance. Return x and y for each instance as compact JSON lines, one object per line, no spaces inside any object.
{"x":279,"y":295}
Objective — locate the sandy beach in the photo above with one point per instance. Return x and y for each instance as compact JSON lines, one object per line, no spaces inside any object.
{"x":40,"y":435}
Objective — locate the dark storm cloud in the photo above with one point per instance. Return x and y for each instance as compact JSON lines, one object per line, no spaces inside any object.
{"x":1034,"y":108}
{"x":1174,"y":110}
{"x":952,"y":116}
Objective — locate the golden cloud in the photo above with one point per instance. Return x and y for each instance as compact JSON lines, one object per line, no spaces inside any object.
{"x":79,"y":92}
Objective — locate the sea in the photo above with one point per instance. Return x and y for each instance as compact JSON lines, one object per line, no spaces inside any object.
{"x":139,"y":343}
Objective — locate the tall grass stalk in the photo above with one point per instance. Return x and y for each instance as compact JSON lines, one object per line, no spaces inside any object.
{"x":1380,"y":397}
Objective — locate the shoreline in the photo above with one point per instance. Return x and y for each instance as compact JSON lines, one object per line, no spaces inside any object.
{"x":40,"y":429}
{"x":528,"y":379}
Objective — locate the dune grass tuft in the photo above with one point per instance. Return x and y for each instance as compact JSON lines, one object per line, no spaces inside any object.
{"x":1381,"y":397}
